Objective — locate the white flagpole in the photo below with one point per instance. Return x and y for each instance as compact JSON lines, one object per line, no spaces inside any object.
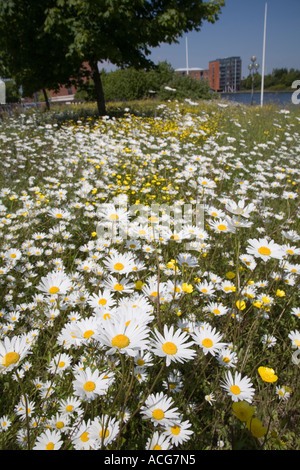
{"x":263,"y":59}
{"x":186,"y":55}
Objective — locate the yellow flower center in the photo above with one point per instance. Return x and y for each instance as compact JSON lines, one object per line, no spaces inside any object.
{"x":297,"y":342}
{"x":53,"y":290}
{"x":158,"y":414}
{"x":226,"y":360}
{"x":50,"y":446}
{"x":69,"y":408}
{"x":120,"y":341}
{"x":169,"y":348}
{"x":157,"y":447}
{"x":89,"y":386}
{"x":10,"y":358}
{"x":84,"y":437}
{"x":222,"y":227}
{"x":118,"y":287}
{"x":104,"y":433}
{"x":235,"y":389}
{"x":175,"y":430}
{"x":207,"y":343}
{"x":119,"y":266}
{"x":13,"y":255}
{"x":61,"y":364}
{"x":59,"y":425}
{"x":87,"y":334}
{"x":264,"y":250}
{"x":102,"y":302}
{"x":216,"y":311}
{"x":113,"y":217}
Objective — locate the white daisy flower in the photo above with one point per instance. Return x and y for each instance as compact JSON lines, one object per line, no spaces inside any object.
{"x":173,"y":346}
{"x":158,"y":408}
{"x":238,"y":387}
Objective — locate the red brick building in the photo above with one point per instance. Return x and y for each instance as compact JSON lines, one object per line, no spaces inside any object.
{"x":222,"y":74}
{"x":196,"y":73}
{"x":63,"y":95}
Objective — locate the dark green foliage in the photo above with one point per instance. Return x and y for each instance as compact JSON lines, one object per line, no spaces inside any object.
{"x":279,"y":79}
{"x":131,"y":84}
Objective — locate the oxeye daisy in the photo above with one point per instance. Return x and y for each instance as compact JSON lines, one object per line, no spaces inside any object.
{"x":239,"y":208}
{"x":283,"y":392}
{"x":12,"y":352}
{"x":24,"y":408}
{"x":59,"y":214}
{"x":238,"y":388}
{"x":103,"y":431}
{"x":71,"y":406}
{"x":121,"y":286}
{"x":222,"y":226}
{"x":48,"y":440}
{"x":265,"y":249}
{"x":173,"y":346}
{"x":217,"y":308}
{"x":296,"y":311}
{"x":158,"y":408}
{"x":81,"y":439}
{"x":120,"y":263}
{"x":178,"y":432}
{"x":60,"y":363}
{"x":206,"y":289}
{"x":89,"y":384}
{"x":295,"y":338}
{"x":85,"y":329}
{"x":158,"y":442}
{"x":13,"y":254}
{"x":122,"y":337}
{"x":227,"y":358}
{"x":5,"y":423}
{"x":208,"y":339}
{"x":55,"y":283}
{"x":60,"y":422}
{"x":103,"y":299}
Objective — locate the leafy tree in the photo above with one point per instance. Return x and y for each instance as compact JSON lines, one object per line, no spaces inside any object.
{"x":123,"y":31}
{"x":181,"y":87}
{"x":129,"y":83}
{"x":33,"y":57}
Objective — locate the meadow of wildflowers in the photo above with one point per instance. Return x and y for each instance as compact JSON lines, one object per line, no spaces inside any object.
{"x":126,"y":324}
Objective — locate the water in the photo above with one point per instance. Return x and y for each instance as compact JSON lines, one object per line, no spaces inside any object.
{"x":270,"y":97}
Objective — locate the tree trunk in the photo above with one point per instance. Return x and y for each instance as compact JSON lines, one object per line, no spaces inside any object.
{"x":98,"y":88}
{"x":46,"y":99}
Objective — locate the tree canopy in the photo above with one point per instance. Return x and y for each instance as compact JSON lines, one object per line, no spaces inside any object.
{"x":62,"y":34}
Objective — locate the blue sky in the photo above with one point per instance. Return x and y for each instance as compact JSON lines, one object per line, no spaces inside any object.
{"x":239,"y":32}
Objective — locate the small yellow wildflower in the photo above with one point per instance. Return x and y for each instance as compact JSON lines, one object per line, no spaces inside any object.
{"x":267,"y":374}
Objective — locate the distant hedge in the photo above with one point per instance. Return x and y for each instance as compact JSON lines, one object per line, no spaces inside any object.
{"x":162,"y":82}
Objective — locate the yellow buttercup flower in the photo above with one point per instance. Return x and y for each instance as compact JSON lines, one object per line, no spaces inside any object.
{"x":187,"y":287}
{"x":256,"y":427}
{"x":241,"y":305}
{"x":139,"y":285}
{"x":242,"y":410}
{"x":230,"y":275}
{"x":267,"y":374}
